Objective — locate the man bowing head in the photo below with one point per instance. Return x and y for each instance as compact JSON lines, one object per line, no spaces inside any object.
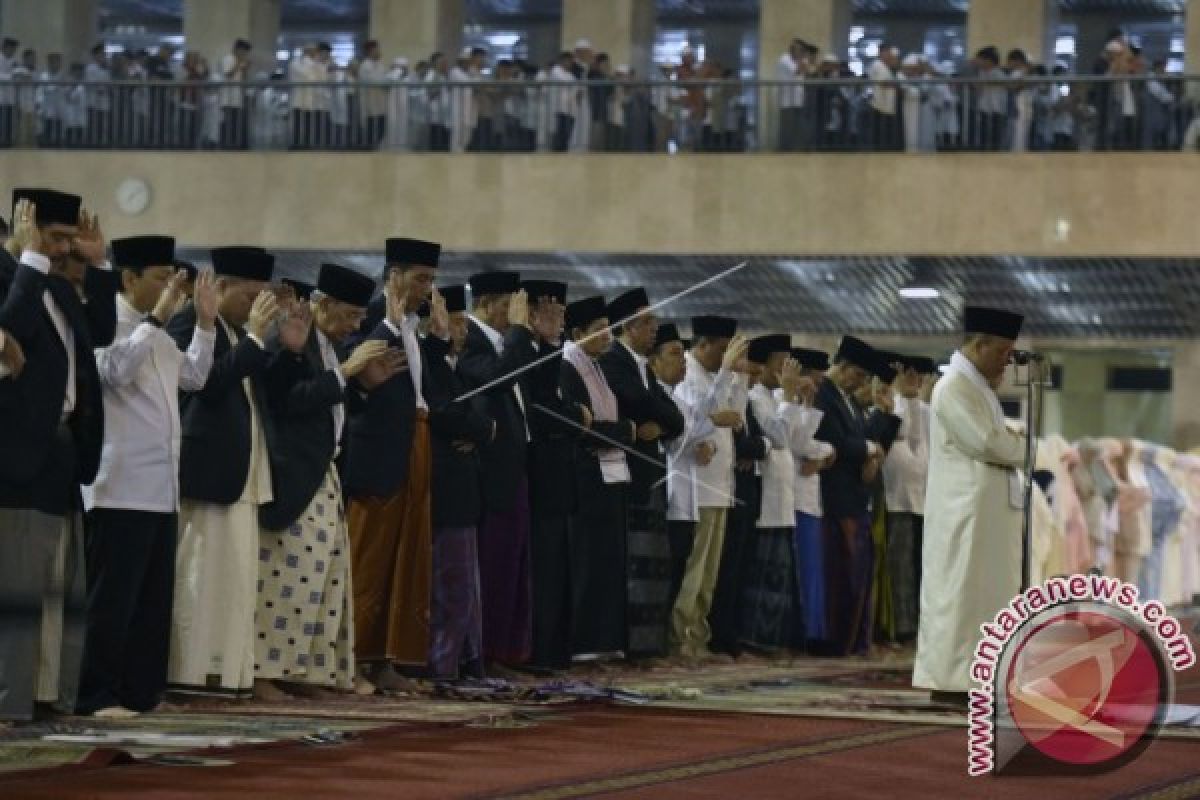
{"x":972,"y":550}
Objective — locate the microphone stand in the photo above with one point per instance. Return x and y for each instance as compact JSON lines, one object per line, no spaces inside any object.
{"x":1034,"y":392}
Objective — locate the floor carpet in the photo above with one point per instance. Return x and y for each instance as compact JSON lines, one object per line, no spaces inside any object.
{"x":615,"y":752}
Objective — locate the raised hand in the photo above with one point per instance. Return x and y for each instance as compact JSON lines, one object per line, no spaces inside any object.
{"x":736,"y":351}
{"x":397,"y":300}
{"x":587,"y":416}
{"x":362,"y":356}
{"x":704,"y":453}
{"x":295,"y":326}
{"x":25,"y":233}
{"x":169,"y":299}
{"x":89,"y":243}
{"x":885,"y":398}
{"x":381,"y":369}
{"x":518,"y":309}
{"x":789,"y":378}
{"x":262,"y":313}
{"x":204,"y":296}
{"x":439,"y":317}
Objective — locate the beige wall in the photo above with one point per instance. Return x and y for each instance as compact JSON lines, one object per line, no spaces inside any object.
{"x":799,"y":204}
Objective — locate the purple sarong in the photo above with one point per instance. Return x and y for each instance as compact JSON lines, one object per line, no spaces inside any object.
{"x":455,"y":614}
{"x":504,"y":581}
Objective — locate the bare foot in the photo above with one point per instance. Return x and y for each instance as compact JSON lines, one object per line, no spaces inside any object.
{"x":115,"y":712}
{"x":267,"y":692}
{"x":389,"y":680}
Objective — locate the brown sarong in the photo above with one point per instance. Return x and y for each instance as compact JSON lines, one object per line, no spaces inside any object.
{"x":391,"y":547}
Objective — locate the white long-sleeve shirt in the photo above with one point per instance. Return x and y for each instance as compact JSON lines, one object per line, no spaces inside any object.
{"x":141,"y":373}
{"x":780,"y":422}
{"x":681,"y":451}
{"x":906,"y":467}
{"x":714,"y":482}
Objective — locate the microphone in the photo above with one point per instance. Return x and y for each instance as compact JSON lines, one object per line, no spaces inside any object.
{"x":1023,"y":357}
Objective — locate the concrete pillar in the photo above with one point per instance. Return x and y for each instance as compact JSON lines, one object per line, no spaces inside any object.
{"x":1185,"y":396}
{"x":1191,"y":45}
{"x":210,"y":27}
{"x":416,"y":29}
{"x":622,"y":28}
{"x":69,"y":27}
{"x":1025,"y":24}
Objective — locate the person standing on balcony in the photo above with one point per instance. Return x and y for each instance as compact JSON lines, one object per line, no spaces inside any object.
{"x":792,"y":68}
{"x":991,"y":112}
{"x":99,"y":99}
{"x":234,"y":69}
{"x":8,"y":95}
{"x":51,"y":101}
{"x":884,"y":131}
{"x":372,"y":74}
{"x":565,"y":103}
{"x":1023,"y":96}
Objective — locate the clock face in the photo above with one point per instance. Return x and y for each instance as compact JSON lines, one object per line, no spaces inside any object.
{"x":133,"y":196}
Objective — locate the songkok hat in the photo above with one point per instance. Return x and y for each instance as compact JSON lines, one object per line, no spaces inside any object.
{"x":455,"y":297}
{"x":412,"y":251}
{"x":584,"y":312}
{"x":302,"y":289}
{"x":921,"y":364}
{"x":627,"y":305}
{"x":53,"y":207}
{"x":992,"y":321}
{"x":485,"y":283}
{"x":890,"y":358}
{"x":667,"y":333}
{"x":250,"y":263}
{"x":715,"y":327}
{"x":857,"y":352}
{"x":139,"y":252}
{"x":344,"y":284}
{"x":761,"y":348}
{"x":882,"y":367}
{"x":555,"y":290}
{"x":811,"y":359}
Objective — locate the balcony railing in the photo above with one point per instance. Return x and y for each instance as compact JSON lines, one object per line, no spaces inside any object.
{"x":926,"y":114}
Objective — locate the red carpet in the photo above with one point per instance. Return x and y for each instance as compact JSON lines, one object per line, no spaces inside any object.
{"x":622,"y":752}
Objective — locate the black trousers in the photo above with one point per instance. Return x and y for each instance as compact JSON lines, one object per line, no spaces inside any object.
{"x":725,"y":617}
{"x":564,"y":125}
{"x":551,"y":573}
{"x":131,"y":582}
{"x":439,"y":138}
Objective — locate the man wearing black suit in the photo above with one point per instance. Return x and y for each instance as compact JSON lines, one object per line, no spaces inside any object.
{"x":225,"y":474}
{"x":54,"y":426}
{"x":386,"y":473}
{"x":861,"y":443}
{"x":642,"y":399}
{"x":304,"y":559}
{"x":498,"y":347}
{"x":459,"y":428}
{"x":554,"y":425}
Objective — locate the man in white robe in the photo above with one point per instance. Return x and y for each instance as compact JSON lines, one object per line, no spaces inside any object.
{"x":972,"y":550}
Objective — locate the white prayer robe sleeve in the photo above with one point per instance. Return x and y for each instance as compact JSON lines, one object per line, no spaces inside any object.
{"x":197,"y":361}
{"x":770,"y":416}
{"x":972,"y":428}
{"x":119,"y":363}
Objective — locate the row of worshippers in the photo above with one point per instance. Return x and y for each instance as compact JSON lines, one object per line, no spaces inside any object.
{"x":290,"y":494}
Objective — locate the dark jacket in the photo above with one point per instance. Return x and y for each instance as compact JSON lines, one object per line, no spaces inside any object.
{"x":600,"y":436}
{"x":380,"y":424}
{"x":505,"y":459}
{"x":301,"y":394}
{"x":843,"y":492}
{"x":641,"y":404}
{"x":457,"y":489}
{"x":554,"y":427}
{"x":39,"y":468}
{"x":214,"y":460}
